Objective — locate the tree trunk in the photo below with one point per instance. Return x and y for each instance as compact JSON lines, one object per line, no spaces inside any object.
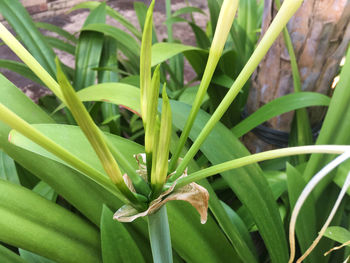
{"x":320,"y":32}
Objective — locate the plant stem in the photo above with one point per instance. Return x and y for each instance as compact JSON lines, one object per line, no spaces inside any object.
{"x":258,"y":157}
{"x":288,"y":8}
{"x":304,"y":133}
{"x":225,"y":20}
{"x":30,"y":61}
{"x":306,"y":192}
{"x":168,"y":15}
{"x":159,"y":234}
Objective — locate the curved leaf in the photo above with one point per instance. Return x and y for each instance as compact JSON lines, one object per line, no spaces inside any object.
{"x":117,"y":93}
{"x":188,"y":9}
{"x":337,"y":233}
{"x":58,"y":30}
{"x":279,"y":106}
{"x":60,"y":44}
{"x":21,"y":69}
{"x":36,"y":224}
{"x":164,"y":51}
{"x":112,"y":13}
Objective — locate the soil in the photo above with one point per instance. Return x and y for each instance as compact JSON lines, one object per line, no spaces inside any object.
{"x":72,"y":22}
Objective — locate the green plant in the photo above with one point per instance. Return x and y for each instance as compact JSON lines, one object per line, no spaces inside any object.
{"x":95,"y":171}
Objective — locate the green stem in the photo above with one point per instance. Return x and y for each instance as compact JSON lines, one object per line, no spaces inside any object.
{"x":159,"y":235}
{"x":287,"y":10}
{"x":258,"y":157}
{"x":304,"y":135}
{"x":30,"y":61}
{"x":225,"y":20}
{"x":168,"y":15}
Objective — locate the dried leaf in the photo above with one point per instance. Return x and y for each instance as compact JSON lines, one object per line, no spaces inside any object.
{"x":338,"y":247}
{"x":193,"y":193}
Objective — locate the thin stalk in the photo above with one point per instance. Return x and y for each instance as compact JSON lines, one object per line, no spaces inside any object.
{"x":258,"y":157}
{"x":225,"y":20}
{"x":306,"y":192}
{"x":27,"y":130}
{"x":30,"y":61}
{"x":168,"y":15}
{"x":287,"y":10}
{"x":304,"y":135}
{"x":328,"y":221}
{"x":159,"y":235}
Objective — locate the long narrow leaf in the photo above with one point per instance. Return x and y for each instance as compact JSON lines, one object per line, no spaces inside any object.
{"x":58,"y":30}
{"x":88,"y":50}
{"x":280,"y":106}
{"x":112,"y":13}
{"x":21,"y":69}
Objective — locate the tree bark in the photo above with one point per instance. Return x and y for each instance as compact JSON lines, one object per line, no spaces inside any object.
{"x":320,"y":32}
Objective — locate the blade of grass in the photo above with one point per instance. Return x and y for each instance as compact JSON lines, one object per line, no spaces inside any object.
{"x":279,"y":106}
